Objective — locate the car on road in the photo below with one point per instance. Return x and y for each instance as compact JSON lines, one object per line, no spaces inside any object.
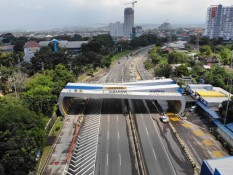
{"x":192,"y":108}
{"x":164,"y":118}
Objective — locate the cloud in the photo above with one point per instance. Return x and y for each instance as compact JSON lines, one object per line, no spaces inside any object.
{"x":50,"y":13}
{"x":31,"y":6}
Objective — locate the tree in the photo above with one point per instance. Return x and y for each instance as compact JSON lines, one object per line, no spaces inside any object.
{"x":21,"y":134}
{"x":7,"y":59}
{"x":176,"y":57}
{"x":39,"y":94}
{"x":18,"y":47}
{"x":222,"y":111}
{"x":61,"y":77}
{"x":181,"y":70}
{"x":205,"y":51}
{"x":18,"y":81}
{"x":164,"y":70}
{"x":226,"y":55}
{"x":217,"y":76}
{"x":76,"y":37}
{"x":27,"y":68}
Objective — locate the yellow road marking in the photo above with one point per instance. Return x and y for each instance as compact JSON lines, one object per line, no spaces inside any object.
{"x":198,"y":133}
{"x":218,"y":154}
{"x":208,"y":142}
{"x":175,"y":119}
{"x":186,"y":125}
{"x":170,"y":113}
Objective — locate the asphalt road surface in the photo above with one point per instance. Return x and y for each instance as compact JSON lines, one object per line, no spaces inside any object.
{"x":155,"y":154}
{"x":113,"y":156}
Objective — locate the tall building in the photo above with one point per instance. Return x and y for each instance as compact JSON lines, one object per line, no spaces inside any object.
{"x":220,"y":22}
{"x":116,"y":29}
{"x":128,"y":22}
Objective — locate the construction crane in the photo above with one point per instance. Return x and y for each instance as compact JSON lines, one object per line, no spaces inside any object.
{"x":133,"y":2}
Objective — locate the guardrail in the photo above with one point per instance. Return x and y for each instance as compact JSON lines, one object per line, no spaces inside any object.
{"x":139,"y":157}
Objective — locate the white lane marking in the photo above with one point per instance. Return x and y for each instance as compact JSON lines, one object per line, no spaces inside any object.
{"x":154,"y":154}
{"x":118,"y":136}
{"x":117,"y":118}
{"x":142,"y":116}
{"x":120,"y":158}
{"x":107,"y":159}
{"x":108,"y":135}
{"x":147,"y":132}
{"x":108,"y":119}
{"x":156,"y":130}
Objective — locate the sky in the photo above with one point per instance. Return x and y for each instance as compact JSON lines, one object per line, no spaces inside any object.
{"x":49,"y":14}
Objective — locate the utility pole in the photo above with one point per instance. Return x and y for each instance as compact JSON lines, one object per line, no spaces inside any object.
{"x":229,"y":95}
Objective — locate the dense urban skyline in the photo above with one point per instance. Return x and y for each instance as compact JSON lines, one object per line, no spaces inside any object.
{"x":43,"y":14}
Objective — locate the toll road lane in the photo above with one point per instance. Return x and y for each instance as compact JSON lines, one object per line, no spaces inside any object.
{"x":113,"y":155}
{"x":156,"y":156}
{"x":179,"y":159}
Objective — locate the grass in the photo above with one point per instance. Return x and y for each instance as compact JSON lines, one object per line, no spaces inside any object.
{"x":119,"y":55}
{"x":45,"y":120}
{"x":44,"y":157}
{"x":56,"y":127}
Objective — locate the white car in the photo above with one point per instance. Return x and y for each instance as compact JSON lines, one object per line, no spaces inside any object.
{"x":192,"y":108}
{"x":164,"y":118}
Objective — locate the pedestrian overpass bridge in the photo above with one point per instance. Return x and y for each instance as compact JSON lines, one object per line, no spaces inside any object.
{"x":161,"y":90}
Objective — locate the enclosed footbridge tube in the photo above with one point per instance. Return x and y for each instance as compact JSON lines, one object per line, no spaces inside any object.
{"x":165,"y":89}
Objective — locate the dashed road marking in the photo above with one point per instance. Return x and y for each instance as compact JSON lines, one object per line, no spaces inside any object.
{"x":147,"y":132}
{"x":154,"y":154}
{"x":107,"y":159}
{"x":120,"y":158}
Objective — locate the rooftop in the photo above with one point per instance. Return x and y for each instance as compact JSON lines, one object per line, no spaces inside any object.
{"x":222,"y":165}
{"x":7,"y":48}
{"x":75,"y":44}
{"x":31,"y":44}
{"x":210,"y":93}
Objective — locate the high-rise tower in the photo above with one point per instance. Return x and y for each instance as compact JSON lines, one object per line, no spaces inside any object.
{"x":220,"y":22}
{"x":128,"y":22}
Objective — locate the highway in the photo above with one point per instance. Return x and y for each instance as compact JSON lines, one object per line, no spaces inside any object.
{"x":162,"y":152}
{"x":114,"y":154}
{"x":155,"y":154}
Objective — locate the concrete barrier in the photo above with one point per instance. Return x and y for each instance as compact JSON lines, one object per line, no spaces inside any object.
{"x":185,"y":149}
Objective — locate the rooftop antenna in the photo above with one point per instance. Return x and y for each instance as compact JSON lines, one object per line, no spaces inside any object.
{"x":133,"y":2}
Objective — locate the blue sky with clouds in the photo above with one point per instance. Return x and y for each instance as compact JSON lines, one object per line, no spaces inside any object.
{"x":47,"y":14}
